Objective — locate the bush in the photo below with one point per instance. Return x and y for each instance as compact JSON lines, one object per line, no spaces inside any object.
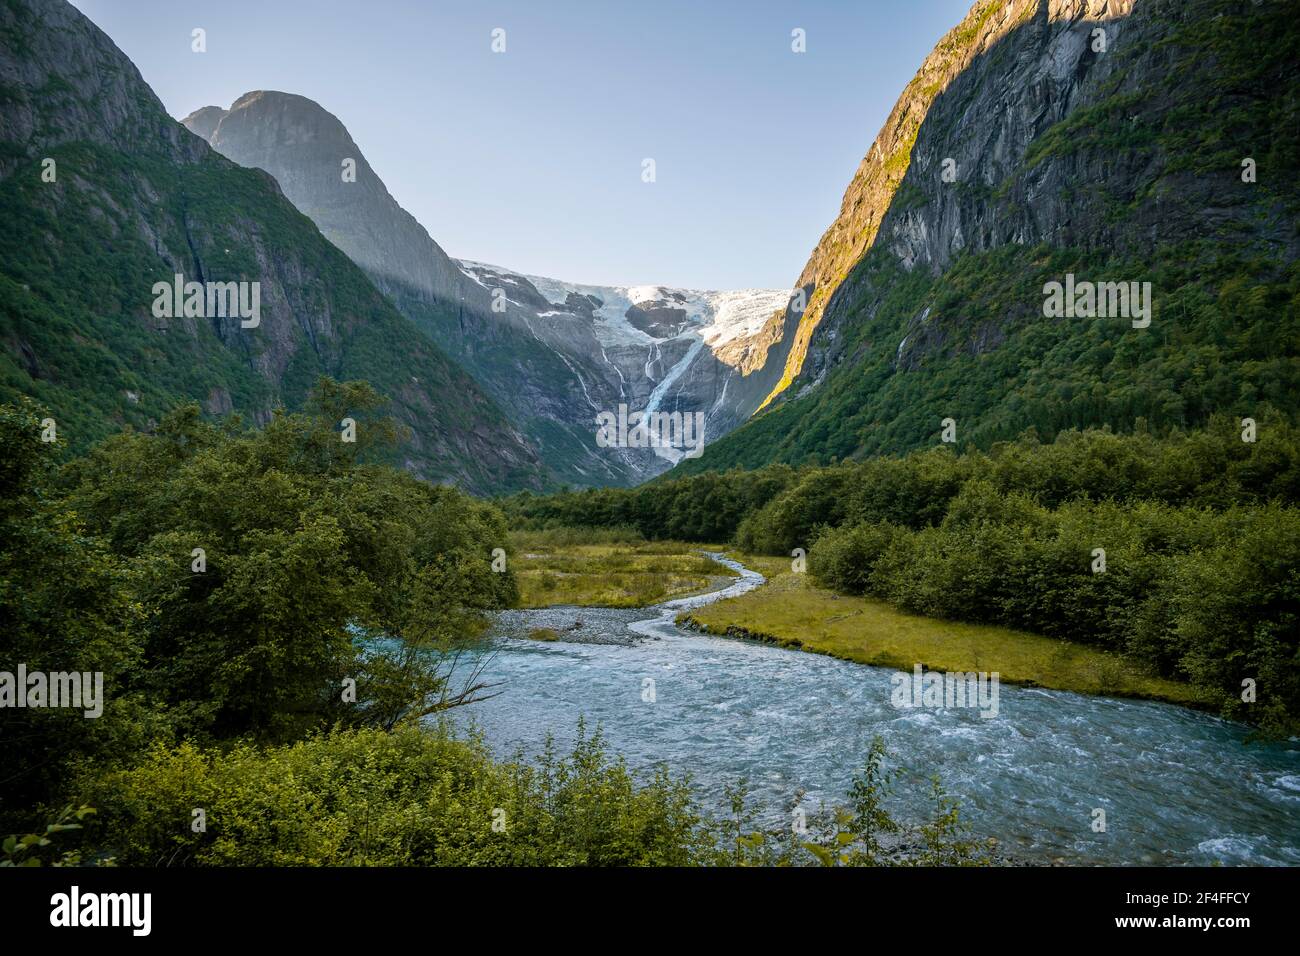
{"x":226,"y":581}
{"x":1213,"y":597}
{"x":424,"y":797}
{"x":412,"y":797}
{"x":844,"y":559}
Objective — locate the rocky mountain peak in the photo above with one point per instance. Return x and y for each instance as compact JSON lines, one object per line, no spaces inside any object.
{"x":203,"y":121}
{"x":137,"y":202}
{"x":64,"y":81}
{"x":555,"y":353}
{"x":324,"y":173}
{"x":989,"y":136}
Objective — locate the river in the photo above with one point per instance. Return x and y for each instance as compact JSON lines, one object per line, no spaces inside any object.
{"x":1177,"y":786}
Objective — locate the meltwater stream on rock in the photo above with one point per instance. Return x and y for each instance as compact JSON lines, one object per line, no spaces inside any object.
{"x":1177,"y":786}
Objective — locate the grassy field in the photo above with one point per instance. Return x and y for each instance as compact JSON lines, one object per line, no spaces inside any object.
{"x":789,"y":611}
{"x":603,"y":569}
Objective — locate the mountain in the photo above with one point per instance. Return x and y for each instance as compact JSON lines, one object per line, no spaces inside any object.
{"x":650,"y":347}
{"x":104,"y":196}
{"x":304,"y":148}
{"x":1102,"y":141}
{"x":554,"y":354}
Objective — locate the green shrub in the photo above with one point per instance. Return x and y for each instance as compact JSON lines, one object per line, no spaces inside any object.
{"x":844,"y":559}
{"x":413,"y":797}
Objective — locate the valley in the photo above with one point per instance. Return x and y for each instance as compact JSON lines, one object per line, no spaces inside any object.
{"x":976,"y":545}
{"x":556,"y":354}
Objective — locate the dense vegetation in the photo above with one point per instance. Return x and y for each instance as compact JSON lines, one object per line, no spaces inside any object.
{"x":1201,"y":535}
{"x":1222,"y":340}
{"x":229,"y":583}
{"x":278,"y":619}
{"x":422,"y":797}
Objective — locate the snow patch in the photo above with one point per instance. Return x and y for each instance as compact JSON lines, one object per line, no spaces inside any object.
{"x":715,"y":317}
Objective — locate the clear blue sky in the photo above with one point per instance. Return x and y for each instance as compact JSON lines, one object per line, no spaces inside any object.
{"x":531,"y":159}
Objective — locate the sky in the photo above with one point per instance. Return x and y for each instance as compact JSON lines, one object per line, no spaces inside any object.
{"x":533,"y":158}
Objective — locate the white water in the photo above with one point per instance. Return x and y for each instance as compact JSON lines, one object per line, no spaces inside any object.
{"x":1177,"y":786}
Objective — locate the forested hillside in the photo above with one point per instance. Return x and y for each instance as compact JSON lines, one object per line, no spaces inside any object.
{"x":104,"y":195}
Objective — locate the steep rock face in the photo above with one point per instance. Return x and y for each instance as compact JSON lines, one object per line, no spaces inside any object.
{"x":1010,"y":69}
{"x":1073,"y":72}
{"x":323,"y":172}
{"x":555,"y":354}
{"x":62,"y":80}
{"x":651,"y":348}
{"x":898,"y":145}
{"x":1104,"y":137}
{"x":135,"y":199}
